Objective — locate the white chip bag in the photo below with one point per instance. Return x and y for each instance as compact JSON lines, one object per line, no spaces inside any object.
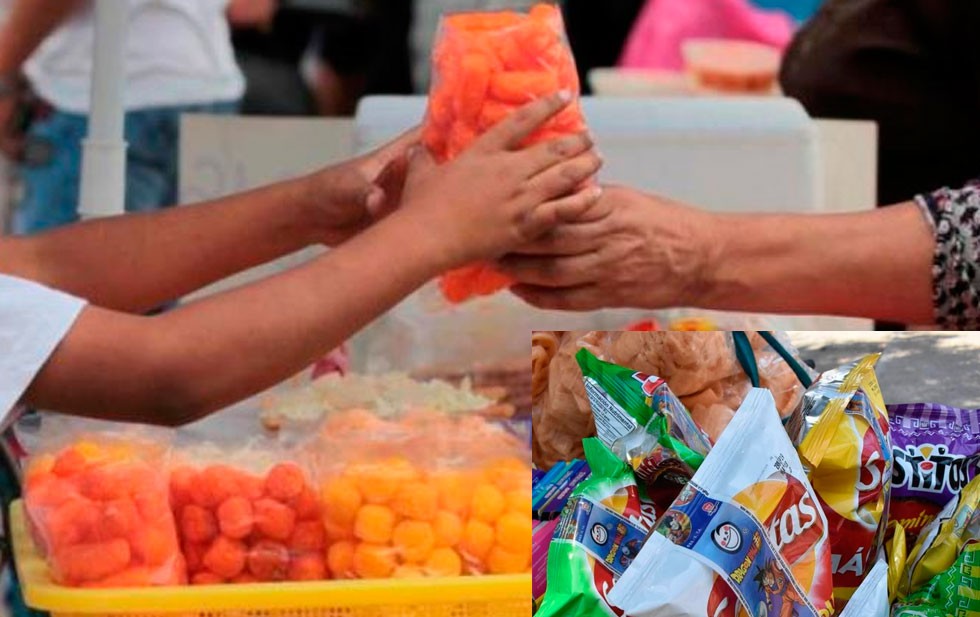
{"x":746,"y":536}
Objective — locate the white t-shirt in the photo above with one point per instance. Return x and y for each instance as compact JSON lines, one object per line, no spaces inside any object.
{"x":33,"y":320}
{"x":178,"y":52}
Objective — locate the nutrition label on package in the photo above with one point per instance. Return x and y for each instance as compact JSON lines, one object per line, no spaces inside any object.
{"x":611,"y":421}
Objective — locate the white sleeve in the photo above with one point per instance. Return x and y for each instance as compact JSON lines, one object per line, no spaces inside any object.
{"x":33,"y":320}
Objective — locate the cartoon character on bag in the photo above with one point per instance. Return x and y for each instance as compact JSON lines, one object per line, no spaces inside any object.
{"x":774,"y":583}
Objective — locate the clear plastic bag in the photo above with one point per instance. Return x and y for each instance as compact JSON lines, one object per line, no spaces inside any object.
{"x":422,"y":494}
{"x":485,"y":66}
{"x":96,"y":497}
{"x":701,"y":368}
{"x":245,"y":514}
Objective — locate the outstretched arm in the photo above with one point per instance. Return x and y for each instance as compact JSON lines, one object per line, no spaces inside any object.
{"x":642,"y":251}
{"x":136,"y":262}
{"x":181,"y":365}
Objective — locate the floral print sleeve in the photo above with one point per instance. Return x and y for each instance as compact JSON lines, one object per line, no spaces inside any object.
{"x":955,"y":215}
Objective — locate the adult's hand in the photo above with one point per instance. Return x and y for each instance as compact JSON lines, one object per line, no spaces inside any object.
{"x":629,"y":250}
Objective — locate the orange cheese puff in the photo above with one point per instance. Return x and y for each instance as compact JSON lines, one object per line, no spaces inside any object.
{"x":340,"y":559}
{"x":152,"y":505}
{"x":251,"y":487}
{"x":513,"y":532}
{"x":545,"y":12}
{"x":119,"y":518}
{"x":207,"y":578}
{"x":197,"y":524}
{"x":502,"y":561}
{"x":181,"y":480}
{"x":77,"y":520}
{"x":336,"y":532}
{"x":85,"y":563}
{"x":519,"y":87}
{"x":408,"y":572}
{"x":236,"y":518}
{"x":341,"y":500}
{"x":273,"y":519}
{"x":308,"y":537}
{"x":373,"y":560}
{"x":225,"y":557}
{"x":373,"y":482}
{"x":490,"y":20}
{"x":417,"y":500}
{"x":455,"y":491}
{"x":519,"y":501}
{"x":306,"y":505}
{"x":413,"y":540}
{"x":474,"y":81}
{"x":69,"y":462}
{"x":285,"y":481}
{"x":434,"y":139}
{"x":138,"y":576}
{"x":448,"y":528}
{"x":154,"y":545}
{"x":374,"y":524}
{"x":488,"y":503}
{"x":194,"y":555}
{"x":214,"y":485}
{"x":268,"y":561}
{"x":48,"y":491}
{"x":245,"y":578}
{"x":308,"y":567}
{"x":444,"y":562}
{"x":477,"y":540}
{"x":490,"y":281}
{"x":107,"y":482}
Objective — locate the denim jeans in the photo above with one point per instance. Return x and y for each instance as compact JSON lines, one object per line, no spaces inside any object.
{"x":52,"y":176}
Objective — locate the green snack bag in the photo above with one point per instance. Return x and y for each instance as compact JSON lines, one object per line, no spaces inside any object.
{"x":600,"y":531}
{"x":642,"y":422}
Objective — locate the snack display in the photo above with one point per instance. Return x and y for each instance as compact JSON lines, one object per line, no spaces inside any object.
{"x":485,"y":66}
{"x":747,"y":528}
{"x":98,"y":508}
{"x":642,"y":422}
{"x":704,"y":370}
{"x":848,"y":453}
{"x":238,"y":525}
{"x":937,"y":452}
{"x":598,"y":536}
{"x":422,"y":494}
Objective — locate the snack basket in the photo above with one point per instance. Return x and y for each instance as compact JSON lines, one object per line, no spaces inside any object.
{"x":486,"y":596}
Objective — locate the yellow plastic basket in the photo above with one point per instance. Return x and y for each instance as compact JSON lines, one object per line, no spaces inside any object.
{"x":483,"y":596}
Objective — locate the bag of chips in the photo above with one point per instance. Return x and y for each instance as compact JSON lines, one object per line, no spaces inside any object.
{"x":937,"y":452}
{"x":942,"y":574}
{"x":847,"y":449}
{"x":96,"y":497}
{"x":599,"y":533}
{"x":871,"y":597}
{"x":485,"y":66}
{"x":746,"y":533}
{"x":642,"y":422}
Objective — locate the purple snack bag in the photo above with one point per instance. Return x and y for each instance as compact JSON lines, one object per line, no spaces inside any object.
{"x":937,"y":452}
{"x":543,"y":532}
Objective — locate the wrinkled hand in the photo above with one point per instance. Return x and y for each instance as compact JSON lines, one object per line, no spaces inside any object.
{"x":629,"y":250}
{"x":496,"y":195}
{"x":349,"y":197}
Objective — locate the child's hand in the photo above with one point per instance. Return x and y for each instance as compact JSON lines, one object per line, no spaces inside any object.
{"x":497,"y":196}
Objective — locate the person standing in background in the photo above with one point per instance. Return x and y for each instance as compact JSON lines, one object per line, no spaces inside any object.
{"x":179,"y":59}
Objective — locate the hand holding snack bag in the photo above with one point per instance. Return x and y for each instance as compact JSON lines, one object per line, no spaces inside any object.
{"x":642,"y":422}
{"x":599,"y":534}
{"x":97,"y":502}
{"x":847,"y":449}
{"x":485,"y":66}
{"x":745,"y":536}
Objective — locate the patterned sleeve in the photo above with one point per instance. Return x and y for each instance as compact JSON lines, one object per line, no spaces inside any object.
{"x":955,"y":215}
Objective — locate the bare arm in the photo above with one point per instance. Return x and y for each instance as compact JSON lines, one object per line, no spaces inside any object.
{"x":28,"y":23}
{"x":188,"y":362}
{"x":646,"y":252}
{"x":136,"y":262}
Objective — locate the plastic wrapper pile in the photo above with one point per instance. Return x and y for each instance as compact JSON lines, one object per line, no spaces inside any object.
{"x":485,"y":66}
{"x":836,"y":512}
